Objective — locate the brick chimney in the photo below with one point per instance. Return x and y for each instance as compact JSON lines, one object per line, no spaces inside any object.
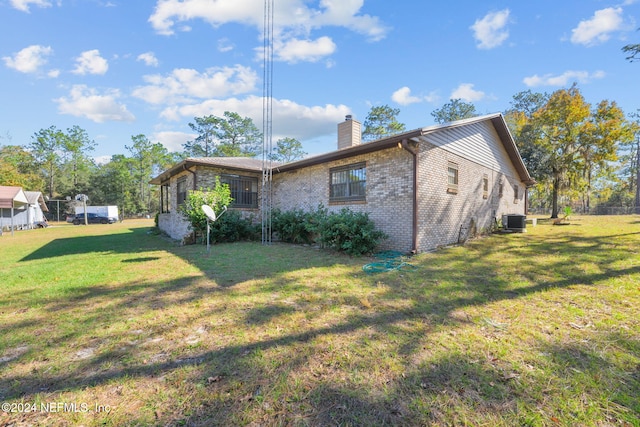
{"x":348,"y":133}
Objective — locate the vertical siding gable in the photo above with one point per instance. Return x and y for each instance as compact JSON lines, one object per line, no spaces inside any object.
{"x":478,"y":142}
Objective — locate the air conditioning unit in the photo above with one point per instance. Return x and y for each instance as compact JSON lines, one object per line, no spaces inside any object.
{"x":515,"y":223}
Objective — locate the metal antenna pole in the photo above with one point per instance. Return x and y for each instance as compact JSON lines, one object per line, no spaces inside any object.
{"x":208,"y":234}
{"x":267,"y":122}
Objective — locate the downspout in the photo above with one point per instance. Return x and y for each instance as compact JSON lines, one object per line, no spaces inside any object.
{"x":414,"y":233}
{"x":195,"y":183}
{"x":195,"y":177}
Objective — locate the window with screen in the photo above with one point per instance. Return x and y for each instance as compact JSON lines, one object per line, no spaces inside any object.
{"x":182,"y":190}
{"x":452,"y":177}
{"x":348,"y":183}
{"x":244,"y":190}
{"x":164,"y":198}
{"x":485,"y":186}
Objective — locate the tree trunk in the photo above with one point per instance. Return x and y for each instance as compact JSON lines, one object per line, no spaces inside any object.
{"x":75,"y":174}
{"x":637,"y":208}
{"x":51,"y":182}
{"x":554,"y":195}
{"x":588,"y":206}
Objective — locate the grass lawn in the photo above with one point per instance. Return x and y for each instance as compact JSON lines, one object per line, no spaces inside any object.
{"x":114,"y":325}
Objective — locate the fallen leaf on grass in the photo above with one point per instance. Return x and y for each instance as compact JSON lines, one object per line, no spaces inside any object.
{"x":397,"y":411}
{"x":497,"y":325}
{"x":510,"y":376}
{"x":214,"y":379}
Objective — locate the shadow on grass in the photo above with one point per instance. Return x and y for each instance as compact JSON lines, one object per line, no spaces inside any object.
{"x":446,"y":390}
{"x":141,"y":259}
{"x":609,"y":366}
{"x":440,"y":391}
{"x":261,"y":315}
{"x":127,"y":241}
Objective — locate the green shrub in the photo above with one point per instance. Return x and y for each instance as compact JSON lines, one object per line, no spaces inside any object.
{"x":567,"y":212}
{"x":350,"y":232}
{"x":292,"y":226}
{"x":232,"y":227}
{"x":217,"y":198}
{"x":346,"y":231}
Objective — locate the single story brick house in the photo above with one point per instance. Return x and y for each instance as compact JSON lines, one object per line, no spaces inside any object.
{"x":424,"y":188}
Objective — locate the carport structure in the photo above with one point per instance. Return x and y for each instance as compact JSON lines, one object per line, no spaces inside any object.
{"x":11,"y":198}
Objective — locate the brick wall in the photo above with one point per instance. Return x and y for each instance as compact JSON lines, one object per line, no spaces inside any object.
{"x":388,"y":196}
{"x":443,"y":218}
{"x":446,"y":218}
{"x":173,"y":223}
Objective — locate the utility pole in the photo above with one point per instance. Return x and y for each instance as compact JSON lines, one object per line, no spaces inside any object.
{"x":83,"y":198}
{"x":267,"y":122}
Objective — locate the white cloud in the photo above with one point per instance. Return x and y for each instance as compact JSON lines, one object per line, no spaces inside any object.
{"x":403,"y":96}
{"x":346,"y":13}
{"x":563,"y":79}
{"x":102,"y":160}
{"x":184,"y":84}
{"x":467,"y":93}
{"x":289,"y":118}
{"x":29,"y":59}
{"x":598,"y":29}
{"x":173,"y":140}
{"x":90,"y":62}
{"x":490,"y":31}
{"x":169,"y":12}
{"x":225,"y":45}
{"x":149,"y":58}
{"x":294,"y":21}
{"x":290,"y":15}
{"x":23,"y":5}
{"x":294,"y":50}
{"x":86,"y":102}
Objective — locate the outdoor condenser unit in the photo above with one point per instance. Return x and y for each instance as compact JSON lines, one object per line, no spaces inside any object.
{"x":512,"y":222}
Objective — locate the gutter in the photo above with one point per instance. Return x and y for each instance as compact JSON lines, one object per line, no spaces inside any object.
{"x":414,"y":232}
{"x":364,"y":148}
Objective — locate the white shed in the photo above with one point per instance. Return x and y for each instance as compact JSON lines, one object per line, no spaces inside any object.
{"x":13,"y":202}
{"x":37,"y":208}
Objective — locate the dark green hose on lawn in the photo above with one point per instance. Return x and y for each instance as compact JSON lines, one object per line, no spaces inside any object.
{"x":389,"y":260}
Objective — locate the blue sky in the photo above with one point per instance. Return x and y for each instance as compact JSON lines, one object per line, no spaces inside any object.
{"x":120,"y":68}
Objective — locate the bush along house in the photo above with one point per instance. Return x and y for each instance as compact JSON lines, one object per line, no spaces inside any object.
{"x":424,"y":188}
